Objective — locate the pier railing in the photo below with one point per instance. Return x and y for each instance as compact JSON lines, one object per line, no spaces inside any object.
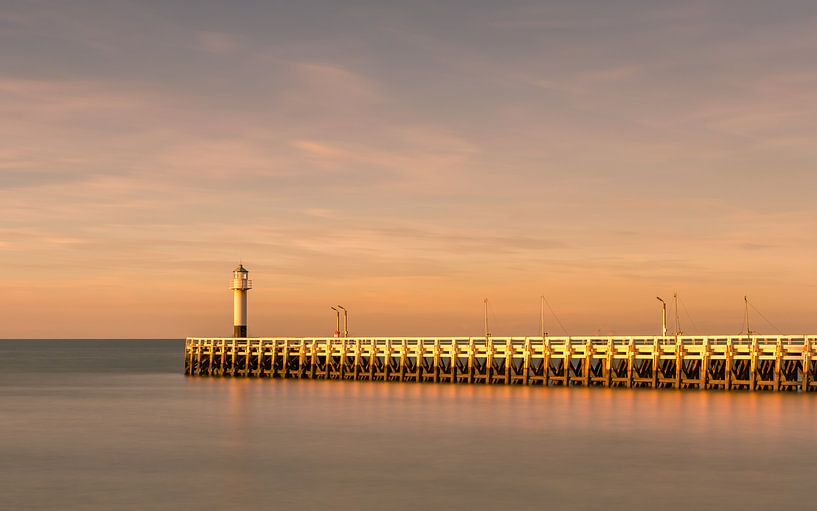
{"x":756,"y":362}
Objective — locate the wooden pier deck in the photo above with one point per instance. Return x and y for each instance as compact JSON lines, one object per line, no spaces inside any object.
{"x":776,"y":363}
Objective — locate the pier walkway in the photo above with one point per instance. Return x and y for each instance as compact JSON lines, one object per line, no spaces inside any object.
{"x":778,"y":363}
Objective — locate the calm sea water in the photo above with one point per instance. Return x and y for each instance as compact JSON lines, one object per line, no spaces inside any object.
{"x":101,"y":425}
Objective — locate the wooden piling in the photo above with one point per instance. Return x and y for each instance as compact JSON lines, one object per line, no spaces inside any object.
{"x":776,"y":363}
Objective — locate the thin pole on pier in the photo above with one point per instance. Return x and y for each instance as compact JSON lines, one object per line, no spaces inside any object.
{"x":746,"y":315}
{"x":487,"y":331}
{"x":677,"y":318}
{"x":542,"y":316}
{"x":337,"y":322}
{"x":663,"y":316}
{"x":345,"y":321}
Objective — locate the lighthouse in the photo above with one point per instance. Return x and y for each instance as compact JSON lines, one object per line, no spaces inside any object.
{"x":240,"y":285}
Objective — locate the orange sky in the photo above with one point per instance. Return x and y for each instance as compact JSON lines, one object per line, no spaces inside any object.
{"x":406,"y":162}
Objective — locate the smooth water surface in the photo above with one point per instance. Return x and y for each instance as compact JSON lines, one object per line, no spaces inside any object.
{"x":99,"y":425}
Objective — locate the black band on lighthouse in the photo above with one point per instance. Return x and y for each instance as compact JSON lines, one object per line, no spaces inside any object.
{"x":239,"y":330}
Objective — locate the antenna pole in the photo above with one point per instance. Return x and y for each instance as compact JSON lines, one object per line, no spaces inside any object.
{"x":542,"y":316}
{"x":746,"y":302}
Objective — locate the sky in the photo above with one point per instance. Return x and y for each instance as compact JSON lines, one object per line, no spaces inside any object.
{"x":406,"y":160}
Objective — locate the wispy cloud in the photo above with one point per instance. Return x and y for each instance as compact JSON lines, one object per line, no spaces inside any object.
{"x":216,"y":43}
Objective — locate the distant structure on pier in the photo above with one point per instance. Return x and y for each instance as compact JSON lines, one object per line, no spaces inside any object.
{"x":747,"y":361}
{"x":240,"y":285}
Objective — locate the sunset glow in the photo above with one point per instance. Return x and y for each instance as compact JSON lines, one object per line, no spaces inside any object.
{"x":406,"y":163}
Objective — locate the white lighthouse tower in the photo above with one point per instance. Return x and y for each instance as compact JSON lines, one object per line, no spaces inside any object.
{"x":240,"y":285}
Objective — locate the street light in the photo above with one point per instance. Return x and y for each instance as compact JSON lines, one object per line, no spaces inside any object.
{"x":337,"y":322}
{"x":345,"y":321}
{"x":663,"y":316}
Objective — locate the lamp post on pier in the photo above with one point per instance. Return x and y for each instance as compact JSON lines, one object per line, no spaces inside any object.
{"x":337,"y":322}
{"x":345,"y":321}
{"x":663,"y":316}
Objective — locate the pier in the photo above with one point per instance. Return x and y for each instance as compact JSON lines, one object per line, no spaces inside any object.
{"x":755,"y":363}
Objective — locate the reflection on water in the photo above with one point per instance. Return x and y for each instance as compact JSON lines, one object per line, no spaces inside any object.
{"x":132,"y":439}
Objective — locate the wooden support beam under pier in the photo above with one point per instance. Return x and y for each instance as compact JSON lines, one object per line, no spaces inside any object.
{"x":775,"y":363}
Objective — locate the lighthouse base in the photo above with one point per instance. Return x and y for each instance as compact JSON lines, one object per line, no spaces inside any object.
{"x":239,"y":330}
